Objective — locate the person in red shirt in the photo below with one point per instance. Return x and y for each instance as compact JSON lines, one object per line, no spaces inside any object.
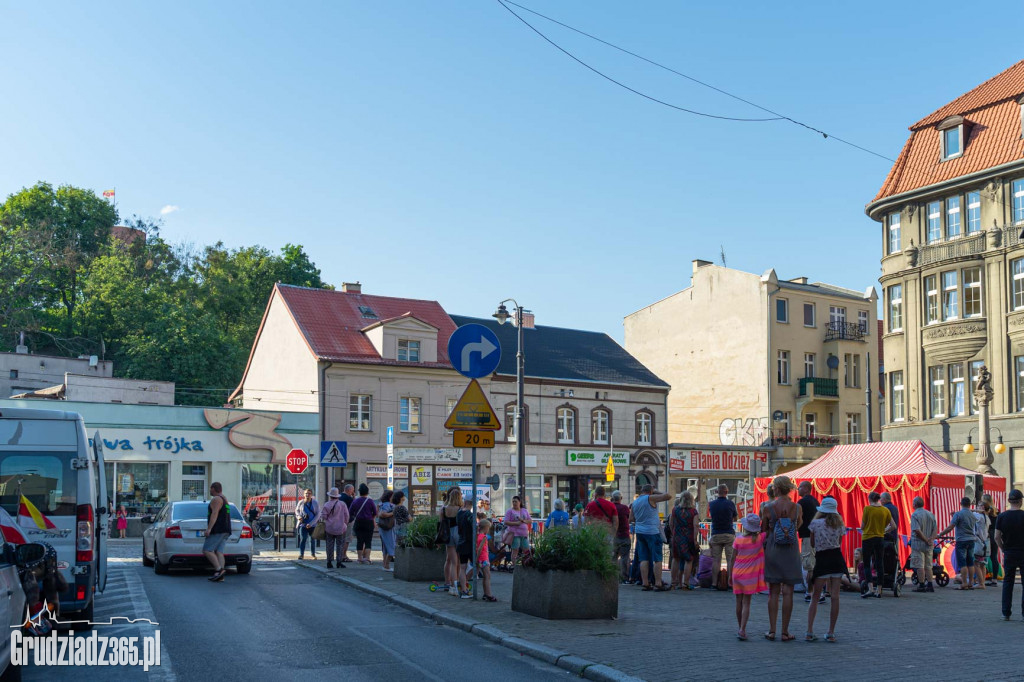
{"x":603,"y":511}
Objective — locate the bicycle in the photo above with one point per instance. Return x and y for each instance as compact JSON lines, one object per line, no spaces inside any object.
{"x":262,"y":529}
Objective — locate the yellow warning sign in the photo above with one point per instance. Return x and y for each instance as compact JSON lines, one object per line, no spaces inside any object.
{"x":609,"y":470}
{"x":473,"y":411}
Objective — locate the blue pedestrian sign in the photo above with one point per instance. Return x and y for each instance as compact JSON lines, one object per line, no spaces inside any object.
{"x":474,"y":351}
{"x":333,"y":453}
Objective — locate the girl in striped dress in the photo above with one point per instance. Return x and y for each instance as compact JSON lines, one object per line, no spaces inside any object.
{"x":748,"y":570}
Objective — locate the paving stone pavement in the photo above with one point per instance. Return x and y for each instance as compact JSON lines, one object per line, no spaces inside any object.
{"x":691,"y":635}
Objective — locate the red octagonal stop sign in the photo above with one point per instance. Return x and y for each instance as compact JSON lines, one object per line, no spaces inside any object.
{"x":297,"y":461}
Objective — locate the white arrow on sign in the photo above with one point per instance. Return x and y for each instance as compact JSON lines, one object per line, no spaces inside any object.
{"x":484,"y":347}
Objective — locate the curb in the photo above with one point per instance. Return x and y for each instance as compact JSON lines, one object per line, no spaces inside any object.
{"x":563,"y":659}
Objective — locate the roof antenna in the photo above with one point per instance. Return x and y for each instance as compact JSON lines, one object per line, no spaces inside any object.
{"x":722,"y":255}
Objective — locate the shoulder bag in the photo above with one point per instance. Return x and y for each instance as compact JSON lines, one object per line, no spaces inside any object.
{"x":320,"y":532}
{"x":386,"y":522}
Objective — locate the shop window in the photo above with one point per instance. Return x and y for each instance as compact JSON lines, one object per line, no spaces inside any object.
{"x":141,"y":487}
{"x":260,"y":487}
{"x":539,"y":500}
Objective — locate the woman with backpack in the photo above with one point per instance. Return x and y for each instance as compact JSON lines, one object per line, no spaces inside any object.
{"x":782,"y":567}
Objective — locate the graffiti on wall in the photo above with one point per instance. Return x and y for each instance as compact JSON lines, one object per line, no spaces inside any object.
{"x":749,"y":431}
{"x":251,"y":431}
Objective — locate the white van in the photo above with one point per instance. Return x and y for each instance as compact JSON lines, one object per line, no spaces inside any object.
{"x":46,"y":457}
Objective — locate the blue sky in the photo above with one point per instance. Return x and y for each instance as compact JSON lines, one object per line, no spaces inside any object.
{"x":442,"y":150}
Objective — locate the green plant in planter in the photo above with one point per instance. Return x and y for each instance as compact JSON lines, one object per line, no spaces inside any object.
{"x":420,"y":532}
{"x":585,"y":549}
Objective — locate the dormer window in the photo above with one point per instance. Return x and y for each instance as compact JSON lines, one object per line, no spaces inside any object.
{"x":367,"y":312}
{"x":952,"y":130}
{"x":408,"y":351}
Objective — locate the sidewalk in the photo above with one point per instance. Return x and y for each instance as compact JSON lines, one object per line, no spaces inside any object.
{"x":687,"y":635}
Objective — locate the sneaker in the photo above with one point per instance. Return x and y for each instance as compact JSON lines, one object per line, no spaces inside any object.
{"x":929,"y":588}
{"x":920,"y":588}
{"x":1006,"y":617}
{"x":302,"y":558}
{"x":330,"y":565}
{"x":807,"y":598}
{"x":465,"y":595}
{"x":822,"y":599}
{"x":866,"y":595}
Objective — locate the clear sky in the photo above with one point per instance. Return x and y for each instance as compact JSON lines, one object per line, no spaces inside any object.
{"x":443,"y":150}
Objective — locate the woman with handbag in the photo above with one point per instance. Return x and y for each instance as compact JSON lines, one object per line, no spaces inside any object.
{"x":306,"y":513}
{"x":362,"y":512}
{"x":386,"y":526}
{"x":334,"y":521}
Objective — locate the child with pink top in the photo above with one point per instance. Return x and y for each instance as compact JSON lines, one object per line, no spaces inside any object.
{"x":748,"y":570}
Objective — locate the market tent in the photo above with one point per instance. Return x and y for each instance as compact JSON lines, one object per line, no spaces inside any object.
{"x":905,"y":469}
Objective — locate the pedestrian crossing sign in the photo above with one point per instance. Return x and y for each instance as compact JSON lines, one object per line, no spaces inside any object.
{"x":333,"y":453}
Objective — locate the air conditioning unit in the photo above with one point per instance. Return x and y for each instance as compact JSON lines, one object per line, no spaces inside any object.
{"x":973,"y":485}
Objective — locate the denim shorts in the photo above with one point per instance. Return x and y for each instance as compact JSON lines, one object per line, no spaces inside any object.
{"x":520,"y":542}
{"x":965,"y":554}
{"x":648,"y":547}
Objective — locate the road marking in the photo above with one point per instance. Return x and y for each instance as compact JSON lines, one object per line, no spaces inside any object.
{"x":276,"y":568}
{"x":408,"y":661}
{"x":143,"y":609}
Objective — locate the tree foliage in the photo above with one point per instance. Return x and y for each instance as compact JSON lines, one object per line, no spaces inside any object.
{"x":160,"y":312}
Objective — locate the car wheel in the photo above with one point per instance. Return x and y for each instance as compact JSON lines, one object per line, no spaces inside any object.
{"x":244,"y":568}
{"x":145,"y":561}
{"x":159,"y":567}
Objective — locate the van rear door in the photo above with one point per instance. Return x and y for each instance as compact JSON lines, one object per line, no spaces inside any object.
{"x":102,"y":512}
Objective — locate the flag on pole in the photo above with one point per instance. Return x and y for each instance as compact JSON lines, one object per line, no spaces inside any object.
{"x":28,"y":515}
{"x":108,"y":193}
{"x":11,"y":532}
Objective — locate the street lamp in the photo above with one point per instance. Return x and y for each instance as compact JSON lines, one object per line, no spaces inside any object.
{"x":502,"y":316}
{"x":999,"y":448}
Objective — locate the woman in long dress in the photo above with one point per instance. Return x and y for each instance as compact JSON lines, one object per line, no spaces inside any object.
{"x":782,"y":568}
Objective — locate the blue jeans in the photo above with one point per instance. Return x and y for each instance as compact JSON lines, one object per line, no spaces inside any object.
{"x":306,"y":534}
{"x":965,"y":554}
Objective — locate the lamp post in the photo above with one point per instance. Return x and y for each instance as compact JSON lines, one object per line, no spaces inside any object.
{"x":983,"y":394}
{"x":969,"y":448}
{"x":502,"y":316}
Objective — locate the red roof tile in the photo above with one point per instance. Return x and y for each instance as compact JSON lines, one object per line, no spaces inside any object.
{"x":332,"y":323}
{"x":993,"y":123}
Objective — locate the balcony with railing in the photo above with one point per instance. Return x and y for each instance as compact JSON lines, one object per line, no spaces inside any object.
{"x":844,"y":331}
{"x":957,"y":248}
{"x":819,"y":387}
{"x":783,"y":438}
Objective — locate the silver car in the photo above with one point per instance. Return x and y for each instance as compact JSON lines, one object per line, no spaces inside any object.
{"x":175,"y":539}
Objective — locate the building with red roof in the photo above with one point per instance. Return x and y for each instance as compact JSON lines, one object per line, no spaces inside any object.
{"x":952,"y":215}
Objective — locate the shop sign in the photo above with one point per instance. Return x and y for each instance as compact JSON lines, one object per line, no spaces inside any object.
{"x":428,"y":455}
{"x":453,"y":472}
{"x":595,"y":458}
{"x":713,"y":460}
{"x":422,"y":475}
{"x":381,"y":471}
{"x":171,"y":444}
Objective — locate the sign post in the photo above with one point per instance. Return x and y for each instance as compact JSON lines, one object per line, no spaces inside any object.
{"x":474,"y":351}
{"x":391,"y":458}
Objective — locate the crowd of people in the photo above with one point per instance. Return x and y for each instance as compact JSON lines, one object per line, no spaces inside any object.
{"x":789,"y":543}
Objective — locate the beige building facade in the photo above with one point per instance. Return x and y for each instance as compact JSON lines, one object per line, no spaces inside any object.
{"x":763,"y":363}
{"x":952,"y":215}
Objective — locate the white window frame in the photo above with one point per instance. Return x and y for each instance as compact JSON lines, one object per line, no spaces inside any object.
{"x":814,"y":314}
{"x":810,"y":424}
{"x":409,"y":414}
{"x":953,"y":218}
{"x":1017,"y":192}
{"x":950,"y":295}
{"x":896,"y":307}
{"x":360,"y":406}
{"x":932,"y":313}
{"x":856,"y":370}
{"x":410,"y":348}
{"x":836,"y":314}
{"x":973,"y":212}
{"x":894,"y":233}
{"x":510,"y":423}
{"x":644,"y":428}
{"x":1018,"y":363}
{"x":600,"y":426}
{"x":782,"y":367}
{"x":853,"y":433}
{"x":959,"y":130}
{"x":566,"y":425}
{"x":449,"y":407}
{"x":955,"y":372}
{"x":809,"y":365}
{"x":972,"y":293}
{"x":933,"y":222}
{"x":1017,"y":273}
{"x":897,"y":404}
{"x":782,"y":306}
{"x":862,"y":321}
{"x":937,"y":392}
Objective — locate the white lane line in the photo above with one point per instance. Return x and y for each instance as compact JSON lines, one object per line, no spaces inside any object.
{"x":276,"y":568}
{"x":408,"y":661}
{"x":143,"y":609}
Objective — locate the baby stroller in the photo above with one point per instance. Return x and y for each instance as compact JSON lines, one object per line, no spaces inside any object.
{"x":892,"y":574}
{"x":938,"y":569}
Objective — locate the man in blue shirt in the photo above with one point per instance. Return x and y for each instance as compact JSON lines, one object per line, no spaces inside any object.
{"x":723,"y":532}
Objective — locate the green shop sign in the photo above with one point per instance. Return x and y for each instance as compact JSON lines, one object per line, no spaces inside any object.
{"x":598,"y":458}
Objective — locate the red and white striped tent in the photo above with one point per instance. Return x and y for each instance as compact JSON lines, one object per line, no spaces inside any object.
{"x":905,"y":469}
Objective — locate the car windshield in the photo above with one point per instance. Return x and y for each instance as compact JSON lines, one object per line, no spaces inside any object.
{"x":197,"y":510}
{"x":46,"y":479}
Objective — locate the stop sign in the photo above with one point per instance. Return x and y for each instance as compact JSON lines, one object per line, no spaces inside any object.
{"x":297,"y":461}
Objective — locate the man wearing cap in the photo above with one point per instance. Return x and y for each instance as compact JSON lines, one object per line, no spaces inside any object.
{"x":1010,"y":538}
{"x":922,"y":534}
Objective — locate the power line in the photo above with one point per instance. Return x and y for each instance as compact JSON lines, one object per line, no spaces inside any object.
{"x":778,"y":116}
{"x":623,"y":85}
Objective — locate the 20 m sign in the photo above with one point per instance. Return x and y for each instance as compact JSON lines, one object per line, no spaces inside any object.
{"x":473,"y":439}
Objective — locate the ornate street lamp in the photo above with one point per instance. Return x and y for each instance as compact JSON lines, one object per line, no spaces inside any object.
{"x":502,"y":316}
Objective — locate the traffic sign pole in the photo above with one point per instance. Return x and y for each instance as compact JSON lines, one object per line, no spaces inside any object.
{"x":476,"y":552}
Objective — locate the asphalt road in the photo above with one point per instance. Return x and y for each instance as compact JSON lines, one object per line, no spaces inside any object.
{"x":287,"y":623}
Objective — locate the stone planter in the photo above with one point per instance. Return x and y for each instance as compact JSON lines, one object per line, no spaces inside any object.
{"x":416,"y":564}
{"x":559,"y":595}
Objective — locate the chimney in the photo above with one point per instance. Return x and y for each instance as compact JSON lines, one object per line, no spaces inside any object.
{"x":21,"y":348}
{"x":352,"y":287}
{"x":527,"y":320}
{"x":698,"y":264}
{"x":799,"y":280}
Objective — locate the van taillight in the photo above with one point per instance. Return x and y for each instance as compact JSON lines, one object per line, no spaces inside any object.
{"x":172,"y":532}
{"x":84,"y":543}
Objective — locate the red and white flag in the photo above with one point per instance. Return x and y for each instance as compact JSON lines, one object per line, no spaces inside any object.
{"x":10,"y":529}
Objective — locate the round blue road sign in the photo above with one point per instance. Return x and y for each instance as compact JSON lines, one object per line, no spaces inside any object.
{"x":474,"y":351}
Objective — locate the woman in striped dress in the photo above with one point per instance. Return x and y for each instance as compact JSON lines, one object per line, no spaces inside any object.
{"x":748,"y":570}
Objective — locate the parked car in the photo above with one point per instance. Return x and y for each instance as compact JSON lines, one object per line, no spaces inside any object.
{"x":12,"y":609}
{"x":175,"y":540}
{"x":47,"y":459}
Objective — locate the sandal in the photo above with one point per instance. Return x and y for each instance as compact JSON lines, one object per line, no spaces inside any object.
{"x":741,"y":635}
{"x":770,"y":636}
{"x":662,"y":588}
{"x":489,"y":598}
{"x":810,"y":637}
{"x":786,"y":637}
{"x":831,"y":638}
{"x":647,"y":588}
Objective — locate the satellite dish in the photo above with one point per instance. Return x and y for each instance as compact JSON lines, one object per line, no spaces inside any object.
{"x":832,"y":362}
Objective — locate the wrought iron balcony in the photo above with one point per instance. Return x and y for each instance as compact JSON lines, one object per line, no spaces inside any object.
{"x":844,"y":331}
{"x":828,"y":388}
{"x":783,"y":439}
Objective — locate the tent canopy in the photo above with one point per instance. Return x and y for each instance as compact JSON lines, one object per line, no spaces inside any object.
{"x":893,"y":458}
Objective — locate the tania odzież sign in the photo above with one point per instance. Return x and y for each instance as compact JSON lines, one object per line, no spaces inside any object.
{"x":708,"y":460}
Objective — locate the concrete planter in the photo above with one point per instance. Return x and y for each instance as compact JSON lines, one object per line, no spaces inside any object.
{"x":416,"y":564}
{"x":557,"y":595}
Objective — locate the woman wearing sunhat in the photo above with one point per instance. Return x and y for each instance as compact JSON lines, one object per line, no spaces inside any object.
{"x":334,"y":514}
{"x":827,"y":530}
